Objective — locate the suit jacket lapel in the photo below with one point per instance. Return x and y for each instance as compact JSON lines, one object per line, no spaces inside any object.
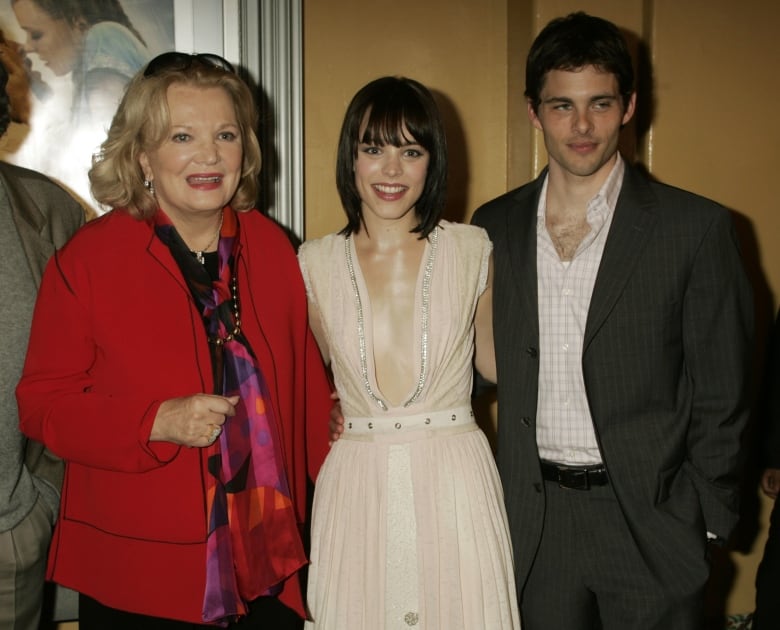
{"x":634,"y":218}
{"x":521,"y":231}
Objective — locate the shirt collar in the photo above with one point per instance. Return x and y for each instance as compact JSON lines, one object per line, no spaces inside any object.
{"x":610,"y":190}
{"x":603,"y":203}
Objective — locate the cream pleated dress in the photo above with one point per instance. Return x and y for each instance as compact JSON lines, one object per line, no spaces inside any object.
{"x":409,"y":527}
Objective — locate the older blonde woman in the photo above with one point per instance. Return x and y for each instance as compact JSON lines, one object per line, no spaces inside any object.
{"x":172,"y":367}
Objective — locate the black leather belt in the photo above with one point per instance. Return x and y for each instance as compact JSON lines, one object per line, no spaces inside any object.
{"x":574,"y":477}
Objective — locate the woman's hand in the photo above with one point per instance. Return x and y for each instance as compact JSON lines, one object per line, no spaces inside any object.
{"x":336,"y":423}
{"x":192,"y":420}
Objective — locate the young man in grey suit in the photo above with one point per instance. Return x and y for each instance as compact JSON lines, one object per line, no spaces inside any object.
{"x":36,"y":216}
{"x":623,"y":325}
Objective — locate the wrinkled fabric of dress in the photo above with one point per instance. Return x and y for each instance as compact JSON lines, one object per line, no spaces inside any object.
{"x":409,"y":526}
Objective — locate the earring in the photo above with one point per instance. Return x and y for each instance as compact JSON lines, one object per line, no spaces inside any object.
{"x":149,"y":185}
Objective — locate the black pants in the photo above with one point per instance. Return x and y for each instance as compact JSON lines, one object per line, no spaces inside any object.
{"x":767,"y":615}
{"x":265,"y":613}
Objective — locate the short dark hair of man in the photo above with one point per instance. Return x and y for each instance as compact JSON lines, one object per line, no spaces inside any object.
{"x":574,"y":42}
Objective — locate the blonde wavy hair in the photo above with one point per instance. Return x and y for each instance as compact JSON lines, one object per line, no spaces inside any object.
{"x":141,"y":124}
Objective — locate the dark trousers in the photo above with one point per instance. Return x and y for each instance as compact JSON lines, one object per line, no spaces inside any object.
{"x":767,"y":615}
{"x":265,"y":613}
{"x":588,"y":573}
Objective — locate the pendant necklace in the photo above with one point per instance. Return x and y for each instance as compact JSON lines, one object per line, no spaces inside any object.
{"x":199,"y":253}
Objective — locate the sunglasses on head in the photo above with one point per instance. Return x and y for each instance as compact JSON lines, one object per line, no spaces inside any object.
{"x":178,"y":61}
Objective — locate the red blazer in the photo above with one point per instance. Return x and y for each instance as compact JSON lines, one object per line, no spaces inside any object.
{"x":115,"y":333}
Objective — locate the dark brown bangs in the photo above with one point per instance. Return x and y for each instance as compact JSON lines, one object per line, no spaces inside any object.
{"x":386,"y":121}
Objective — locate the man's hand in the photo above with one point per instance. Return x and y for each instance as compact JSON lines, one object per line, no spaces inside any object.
{"x":336,"y":424}
{"x":770,"y":480}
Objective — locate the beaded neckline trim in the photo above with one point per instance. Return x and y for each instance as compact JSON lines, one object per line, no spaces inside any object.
{"x":424,"y":316}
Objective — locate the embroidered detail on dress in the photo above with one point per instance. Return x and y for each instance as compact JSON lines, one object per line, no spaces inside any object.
{"x":424,"y":316}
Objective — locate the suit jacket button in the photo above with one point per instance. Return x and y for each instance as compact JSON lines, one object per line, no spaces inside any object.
{"x":526,"y":422}
{"x":532,"y":352}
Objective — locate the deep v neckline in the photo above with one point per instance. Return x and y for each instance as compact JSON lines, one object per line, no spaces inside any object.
{"x":365,"y":323}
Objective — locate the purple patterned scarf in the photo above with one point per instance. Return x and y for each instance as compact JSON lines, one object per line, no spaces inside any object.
{"x":253,"y":539}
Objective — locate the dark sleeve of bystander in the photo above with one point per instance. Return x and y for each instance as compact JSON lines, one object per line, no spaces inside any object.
{"x":770,"y":412}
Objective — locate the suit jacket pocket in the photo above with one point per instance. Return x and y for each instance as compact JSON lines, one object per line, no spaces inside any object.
{"x":677,"y":497}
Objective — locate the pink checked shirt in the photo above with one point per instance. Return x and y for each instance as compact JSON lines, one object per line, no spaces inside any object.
{"x":564,"y":430}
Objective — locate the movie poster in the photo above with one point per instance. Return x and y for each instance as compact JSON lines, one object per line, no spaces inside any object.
{"x":67,"y":67}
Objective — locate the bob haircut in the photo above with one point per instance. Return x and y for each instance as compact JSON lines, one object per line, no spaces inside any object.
{"x":573,"y":42}
{"x":141,"y":124}
{"x":386,"y":106}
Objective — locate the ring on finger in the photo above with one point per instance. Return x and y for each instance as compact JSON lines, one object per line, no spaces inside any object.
{"x":214,"y":434}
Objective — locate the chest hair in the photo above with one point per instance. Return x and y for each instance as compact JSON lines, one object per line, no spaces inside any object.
{"x":566,"y":234}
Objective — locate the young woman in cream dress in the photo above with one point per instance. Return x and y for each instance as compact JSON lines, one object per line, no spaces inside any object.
{"x":409,"y":527}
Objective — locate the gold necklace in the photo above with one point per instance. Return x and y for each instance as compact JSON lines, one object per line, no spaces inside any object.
{"x":220,"y":341}
{"x":199,"y":253}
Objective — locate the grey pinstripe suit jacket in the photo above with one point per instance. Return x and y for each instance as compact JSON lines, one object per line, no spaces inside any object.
{"x":665,"y":360}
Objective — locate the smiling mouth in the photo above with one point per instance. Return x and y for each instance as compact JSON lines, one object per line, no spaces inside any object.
{"x":213,"y":179}
{"x":389,"y":189}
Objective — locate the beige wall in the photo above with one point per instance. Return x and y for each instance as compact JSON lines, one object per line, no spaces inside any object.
{"x":715,"y":129}
{"x":456,"y":47}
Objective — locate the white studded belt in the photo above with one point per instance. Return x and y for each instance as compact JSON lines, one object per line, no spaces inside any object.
{"x":456,"y":420}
